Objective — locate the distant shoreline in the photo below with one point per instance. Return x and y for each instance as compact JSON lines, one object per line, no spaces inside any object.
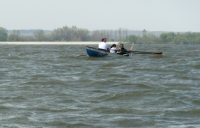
{"x":53,"y":43}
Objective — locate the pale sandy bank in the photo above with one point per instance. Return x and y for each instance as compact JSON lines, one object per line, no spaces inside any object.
{"x":53,"y":43}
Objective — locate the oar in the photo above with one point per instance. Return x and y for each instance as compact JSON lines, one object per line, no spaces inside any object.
{"x":131,"y":48}
{"x":141,"y":52}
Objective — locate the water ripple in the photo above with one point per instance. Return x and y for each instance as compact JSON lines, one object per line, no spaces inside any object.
{"x":59,"y":86}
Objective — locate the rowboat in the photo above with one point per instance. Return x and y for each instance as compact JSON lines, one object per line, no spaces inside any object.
{"x":94,"y":52}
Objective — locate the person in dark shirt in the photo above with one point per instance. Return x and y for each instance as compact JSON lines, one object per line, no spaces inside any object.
{"x":122,"y":50}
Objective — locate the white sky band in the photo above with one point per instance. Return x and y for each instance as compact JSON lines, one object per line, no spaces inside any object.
{"x":152,"y":15}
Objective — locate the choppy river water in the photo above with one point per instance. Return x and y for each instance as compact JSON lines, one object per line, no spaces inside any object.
{"x":58,"y":86}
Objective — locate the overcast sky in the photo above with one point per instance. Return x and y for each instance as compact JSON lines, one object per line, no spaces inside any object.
{"x":152,"y":15}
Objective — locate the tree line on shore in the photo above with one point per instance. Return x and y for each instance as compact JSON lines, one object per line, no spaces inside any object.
{"x":81,"y":34}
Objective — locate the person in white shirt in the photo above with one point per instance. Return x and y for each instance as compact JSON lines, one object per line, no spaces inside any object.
{"x":113,"y":48}
{"x":103,"y":45}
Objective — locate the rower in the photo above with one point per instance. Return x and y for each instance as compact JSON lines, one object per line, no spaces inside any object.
{"x":122,"y":50}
